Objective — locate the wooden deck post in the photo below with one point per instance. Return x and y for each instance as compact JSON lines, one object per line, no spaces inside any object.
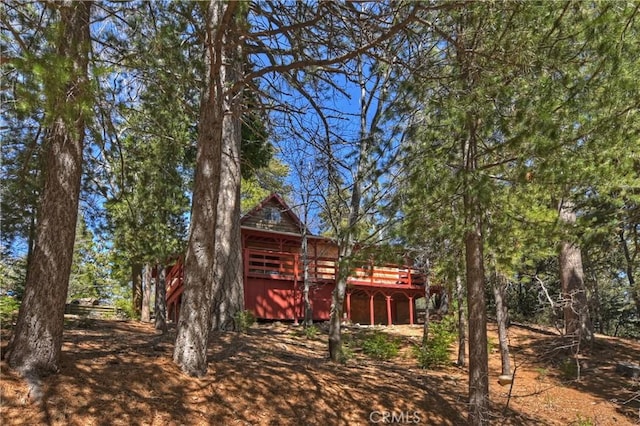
{"x":410,"y":310}
{"x":388,"y":310}
{"x":371,"y":313}
{"x":245,"y":274}
{"x":296,"y":302}
{"x":349,"y":306}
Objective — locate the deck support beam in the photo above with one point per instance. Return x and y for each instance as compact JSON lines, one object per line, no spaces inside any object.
{"x":349,"y":306}
{"x":388,"y":310}
{"x":389,"y":322}
{"x":298,"y":304}
{"x":371,"y":311}
{"x":410,"y":310}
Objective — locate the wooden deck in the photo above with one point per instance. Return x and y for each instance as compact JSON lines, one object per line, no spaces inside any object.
{"x":275,"y":271}
{"x":290,"y":267}
{"x":273,"y":283}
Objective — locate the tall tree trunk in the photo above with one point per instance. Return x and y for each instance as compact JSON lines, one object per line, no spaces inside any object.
{"x":32,"y":239}
{"x":476,"y":303}
{"x":190,"y":352}
{"x":161,"y":298}
{"x":576,"y":309}
{"x":136,"y":288}
{"x":145,"y":312}
{"x":345,"y":249}
{"x":228,"y":290}
{"x":462,"y":322}
{"x":598,"y":303}
{"x":473,"y":238}
{"x":427,"y":298}
{"x":635,"y":288}
{"x":37,"y":340}
{"x":596,"y":295}
{"x":478,"y":354}
{"x":337,"y":303}
{"x":499,"y":288}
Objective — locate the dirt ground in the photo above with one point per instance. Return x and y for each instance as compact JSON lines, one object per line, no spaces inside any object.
{"x":121,"y":373}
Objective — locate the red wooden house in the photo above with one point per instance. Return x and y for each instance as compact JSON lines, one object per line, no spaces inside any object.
{"x":274,"y":274}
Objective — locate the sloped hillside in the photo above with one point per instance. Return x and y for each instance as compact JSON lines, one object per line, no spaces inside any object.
{"x":117,"y":372}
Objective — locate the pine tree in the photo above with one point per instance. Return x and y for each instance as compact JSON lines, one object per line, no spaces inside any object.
{"x":221,"y":26}
{"x":37,"y":340}
{"x":218,"y":117}
{"x":90,"y":269}
{"x":150,"y":156}
{"x":23,"y":112}
{"x":512,"y":121}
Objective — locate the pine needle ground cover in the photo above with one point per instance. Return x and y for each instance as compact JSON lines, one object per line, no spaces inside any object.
{"x":121,"y":373}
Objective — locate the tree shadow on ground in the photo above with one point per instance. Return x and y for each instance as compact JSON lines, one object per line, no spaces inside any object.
{"x":117,"y":373}
{"x":304,"y":385}
{"x":111,"y":373}
{"x":291,"y":381}
{"x":592,"y":368}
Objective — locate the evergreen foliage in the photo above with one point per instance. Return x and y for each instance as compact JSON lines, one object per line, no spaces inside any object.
{"x":379,"y":345}
{"x":23,"y":101}
{"x":8,"y":309}
{"x":520,"y":105}
{"x":90,"y":271}
{"x":13,"y":275}
{"x":557,"y":108}
{"x":437,"y":351}
{"x":475,"y":125}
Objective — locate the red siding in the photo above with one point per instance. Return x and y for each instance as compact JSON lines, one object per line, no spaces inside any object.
{"x":321,"y":302}
{"x":279,"y":299}
{"x":273,"y":275}
{"x":268,"y":298}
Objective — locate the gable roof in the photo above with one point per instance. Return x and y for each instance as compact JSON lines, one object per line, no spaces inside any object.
{"x":283,"y":207}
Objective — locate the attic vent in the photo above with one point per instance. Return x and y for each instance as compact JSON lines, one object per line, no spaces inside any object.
{"x":272,"y":214}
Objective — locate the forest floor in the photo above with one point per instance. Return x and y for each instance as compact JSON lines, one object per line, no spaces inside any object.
{"x":121,"y":373}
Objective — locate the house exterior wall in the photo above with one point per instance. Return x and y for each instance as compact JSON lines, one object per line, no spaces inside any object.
{"x":270,"y":299}
{"x":320,"y":301}
{"x":273,"y":274}
{"x":282,"y":299}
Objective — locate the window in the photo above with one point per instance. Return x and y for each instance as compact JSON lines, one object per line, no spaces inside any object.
{"x":272,"y":214}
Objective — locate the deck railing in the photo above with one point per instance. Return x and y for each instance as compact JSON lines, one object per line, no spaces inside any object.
{"x":290,"y":266}
{"x":91,"y":311}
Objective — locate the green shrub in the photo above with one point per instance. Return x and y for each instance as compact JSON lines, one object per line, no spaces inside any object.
{"x":310,"y":332}
{"x":569,"y":369}
{"x":125,"y":308}
{"x":491,"y":345}
{"x":436,"y":351}
{"x":583,"y":421}
{"x":347,"y":354}
{"x":244,"y":320}
{"x":8,"y":309}
{"x":380,"y":346}
{"x":542,"y":373}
